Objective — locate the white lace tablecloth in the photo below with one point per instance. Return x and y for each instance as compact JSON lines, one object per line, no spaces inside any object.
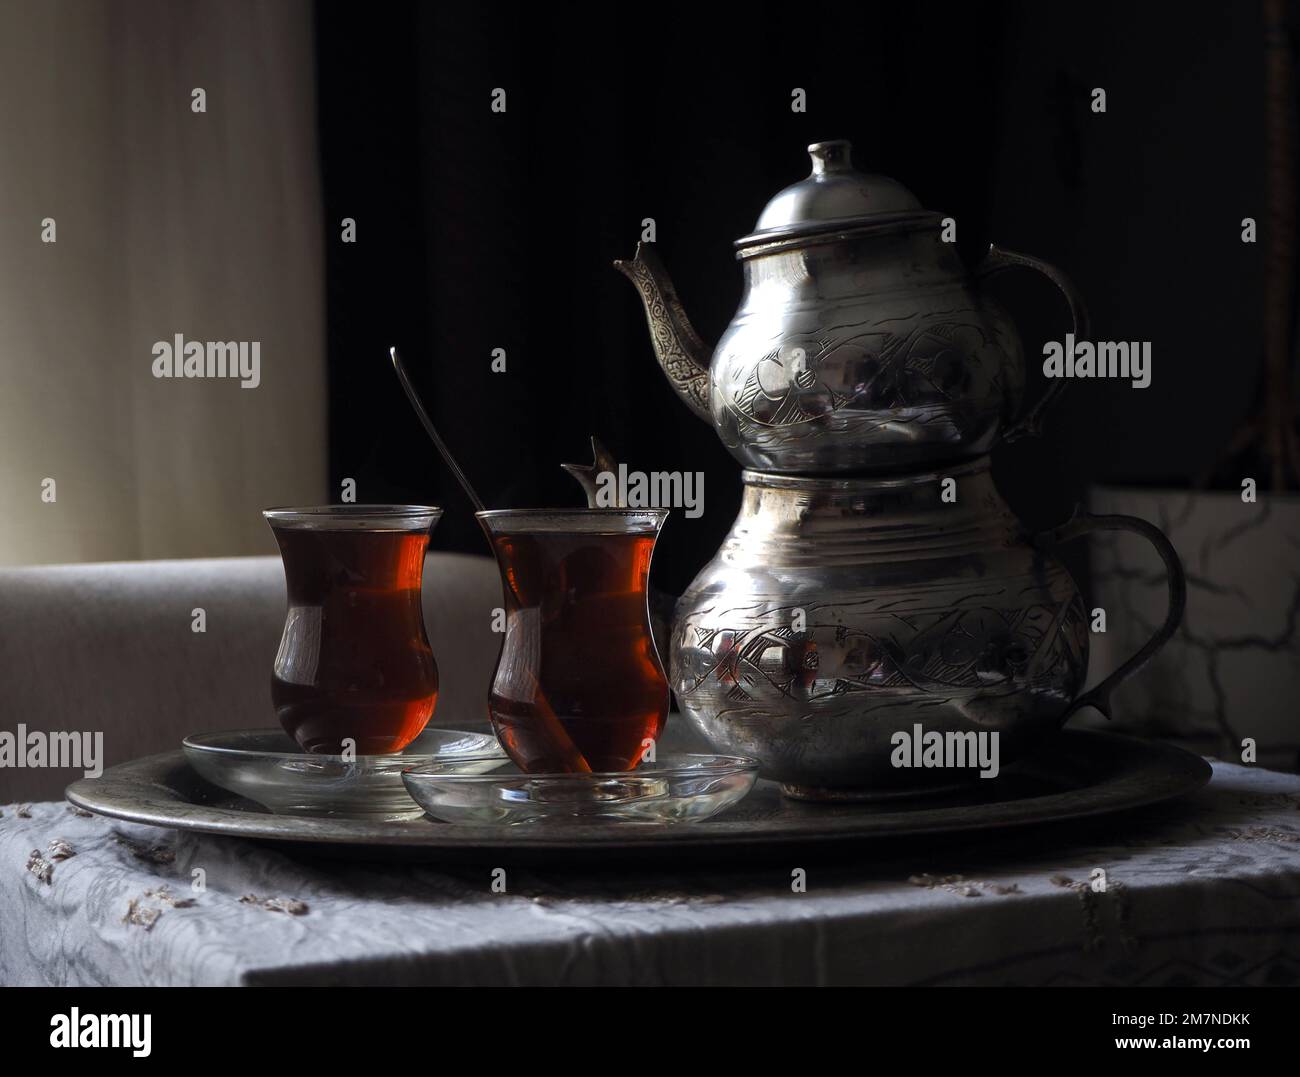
{"x":1202,"y":891}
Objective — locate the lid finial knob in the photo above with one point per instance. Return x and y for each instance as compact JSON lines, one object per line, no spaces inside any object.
{"x":831,"y":156}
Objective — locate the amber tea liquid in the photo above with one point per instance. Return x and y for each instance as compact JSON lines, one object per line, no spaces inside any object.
{"x":354,"y":663}
{"x":579,"y":685}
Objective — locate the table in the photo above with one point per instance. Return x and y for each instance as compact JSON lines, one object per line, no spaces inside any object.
{"x":1197,"y":892}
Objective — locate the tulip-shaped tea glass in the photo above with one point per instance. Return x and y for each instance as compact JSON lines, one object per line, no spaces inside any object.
{"x":354,"y":669}
{"x":579,"y":686}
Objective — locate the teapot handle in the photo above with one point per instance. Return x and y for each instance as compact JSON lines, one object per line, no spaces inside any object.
{"x":997,"y":261}
{"x":1081,"y":524}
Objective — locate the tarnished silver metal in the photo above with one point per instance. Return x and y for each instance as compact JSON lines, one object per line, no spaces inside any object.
{"x":839,"y":612}
{"x":864,"y":374}
{"x":1083,"y":774}
{"x":588,"y":475}
{"x":861,"y":344}
{"x":834,"y":196}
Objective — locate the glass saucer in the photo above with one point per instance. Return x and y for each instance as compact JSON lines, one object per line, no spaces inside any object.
{"x":676,"y":789}
{"x":267,"y":766}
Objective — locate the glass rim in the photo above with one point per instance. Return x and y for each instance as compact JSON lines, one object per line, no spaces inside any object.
{"x":353,"y":516}
{"x":574,"y":520}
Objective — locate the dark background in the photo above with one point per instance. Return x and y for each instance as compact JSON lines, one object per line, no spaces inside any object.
{"x":478,"y":230}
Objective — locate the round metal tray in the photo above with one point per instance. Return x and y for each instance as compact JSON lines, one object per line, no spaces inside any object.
{"x":1082,"y":774}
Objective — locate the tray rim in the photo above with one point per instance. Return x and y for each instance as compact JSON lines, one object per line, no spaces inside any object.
{"x":1178,"y":772}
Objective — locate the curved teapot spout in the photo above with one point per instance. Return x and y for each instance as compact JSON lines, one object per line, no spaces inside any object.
{"x":678,"y":347}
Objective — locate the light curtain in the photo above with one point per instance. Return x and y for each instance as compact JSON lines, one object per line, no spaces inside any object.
{"x":166,"y":221}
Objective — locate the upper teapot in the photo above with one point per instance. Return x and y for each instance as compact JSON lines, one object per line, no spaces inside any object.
{"x":861,"y":343}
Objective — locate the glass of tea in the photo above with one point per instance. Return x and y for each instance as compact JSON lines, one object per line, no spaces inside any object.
{"x":354,"y":669}
{"x":579,"y":686}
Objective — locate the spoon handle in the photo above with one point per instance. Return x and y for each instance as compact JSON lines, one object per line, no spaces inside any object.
{"x":432,"y":432}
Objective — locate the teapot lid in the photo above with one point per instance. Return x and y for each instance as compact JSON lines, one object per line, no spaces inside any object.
{"x":834,"y":196}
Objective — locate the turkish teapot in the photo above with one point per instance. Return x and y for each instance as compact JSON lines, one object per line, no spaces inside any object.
{"x":874,"y":584}
{"x":861,"y":343}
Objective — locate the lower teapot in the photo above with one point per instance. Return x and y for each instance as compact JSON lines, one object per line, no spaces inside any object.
{"x":844,"y":623}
